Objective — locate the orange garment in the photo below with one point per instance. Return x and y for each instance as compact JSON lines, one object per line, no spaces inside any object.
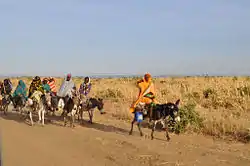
{"x":145,"y":88}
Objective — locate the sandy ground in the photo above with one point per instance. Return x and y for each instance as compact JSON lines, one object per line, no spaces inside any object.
{"x":107,"y":143}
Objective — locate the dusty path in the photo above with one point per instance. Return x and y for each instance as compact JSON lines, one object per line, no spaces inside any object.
{"x":107,"y":143}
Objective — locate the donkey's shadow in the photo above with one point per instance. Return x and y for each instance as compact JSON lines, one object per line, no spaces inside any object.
{"x":104,"y":127}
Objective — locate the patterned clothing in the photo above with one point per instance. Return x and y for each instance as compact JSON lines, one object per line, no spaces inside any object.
{"x":85,"y":88}
{"x":36,"y":85}
{"x":6,"y":87}
{"x":52,"y":85}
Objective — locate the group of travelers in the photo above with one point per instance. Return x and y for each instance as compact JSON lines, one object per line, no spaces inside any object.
{"x":45,"y":86}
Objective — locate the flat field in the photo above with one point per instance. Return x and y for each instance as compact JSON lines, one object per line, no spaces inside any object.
{"x":216,"y":109}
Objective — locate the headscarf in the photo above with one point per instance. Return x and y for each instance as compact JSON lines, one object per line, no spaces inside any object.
{"x":147,"y":77}
{"x":20,"y":89}
{"x":88,"y":80}
{"x":22,"y":84}
{"x":68,"y":77}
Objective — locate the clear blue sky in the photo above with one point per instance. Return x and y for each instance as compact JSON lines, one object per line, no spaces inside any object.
{"x":124,"y":36}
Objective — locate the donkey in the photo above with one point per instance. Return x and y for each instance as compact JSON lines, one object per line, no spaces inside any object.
{"x":160,"y":114}
{"x":71,"y":106}
{"x":37,"y":103}
{"x":49,"y":104}
{"x":89,"y":105}
{"x":52,"y":103}
{"x":19,"y":104}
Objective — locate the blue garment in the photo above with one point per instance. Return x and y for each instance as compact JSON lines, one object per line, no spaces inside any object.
{"x":138,"y":117}
{"x":20,"y":90}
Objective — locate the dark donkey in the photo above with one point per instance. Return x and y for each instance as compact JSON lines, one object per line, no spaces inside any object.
{"x":52,"y":103}
{"x":7,"y":98}
{"x":19,"y":102}
{"x":71,"y":106}
{"x":89,"y":106}
{"x":160,"y":114}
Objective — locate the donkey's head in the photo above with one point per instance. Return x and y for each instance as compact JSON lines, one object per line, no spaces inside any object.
{"x":98,"y":102}
{"x":173,"y":109}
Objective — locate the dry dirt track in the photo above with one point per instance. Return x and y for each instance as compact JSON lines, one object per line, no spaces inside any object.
{"x":107,"y":143}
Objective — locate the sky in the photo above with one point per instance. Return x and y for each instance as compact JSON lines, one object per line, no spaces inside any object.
{"x":88,"y":37}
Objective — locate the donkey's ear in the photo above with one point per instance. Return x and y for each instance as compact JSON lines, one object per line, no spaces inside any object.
{"x":177,"y":102}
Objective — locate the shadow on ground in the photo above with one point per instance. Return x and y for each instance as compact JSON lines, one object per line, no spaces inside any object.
{"x":58,"y":121}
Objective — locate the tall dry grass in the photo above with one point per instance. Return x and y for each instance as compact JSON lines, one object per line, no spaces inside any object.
{"x":223,"y":102}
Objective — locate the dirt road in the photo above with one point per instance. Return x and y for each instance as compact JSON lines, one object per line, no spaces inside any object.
{"x":107,"y":143}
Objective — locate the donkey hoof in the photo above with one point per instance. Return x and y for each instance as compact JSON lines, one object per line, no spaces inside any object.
{"x":141,"y":134}
{"x":130,"y":133}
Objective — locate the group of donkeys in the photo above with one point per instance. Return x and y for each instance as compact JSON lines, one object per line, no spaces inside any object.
{"x":48,"y":104}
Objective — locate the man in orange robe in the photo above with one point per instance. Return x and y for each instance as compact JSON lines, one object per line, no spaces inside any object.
{"x":146,"y":93}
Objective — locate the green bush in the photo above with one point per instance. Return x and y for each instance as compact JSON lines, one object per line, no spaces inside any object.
{"x":190,"y":120}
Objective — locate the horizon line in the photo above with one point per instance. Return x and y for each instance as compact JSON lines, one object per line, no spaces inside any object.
{"x":133,"y":75}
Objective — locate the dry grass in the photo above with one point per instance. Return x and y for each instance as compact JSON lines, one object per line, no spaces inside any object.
{"x":224,"y":102}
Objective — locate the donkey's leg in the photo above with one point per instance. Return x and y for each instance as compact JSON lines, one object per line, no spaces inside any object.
{"x":39,"y":116}
{"x":65,"y":120}
{"x":139,"y":128}
{"x":90,"y":111}
{"x":64,"y":114}
{"x":5,"y":109}
{"x":81,"y":114}
{"x":92,"y":114}
{"x":20,"y":111}
{"x":165,"y":126}
{"x":43,"y":113}
{"x":153,"y":129}
{"x":73,"y":112}
{"x":31,"y":119}
{"x":132,"y":126}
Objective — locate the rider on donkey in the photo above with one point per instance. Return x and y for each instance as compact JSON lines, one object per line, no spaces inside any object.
{"x":67,"y":88}
{"x":6,"y":89}
{"x":52,"y":84}
{"x":146,"y":94}
{"x":46,"y":86}
{"x":36,"y":85}
{"x":85,"y":88}
{"x":20,"y":93}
